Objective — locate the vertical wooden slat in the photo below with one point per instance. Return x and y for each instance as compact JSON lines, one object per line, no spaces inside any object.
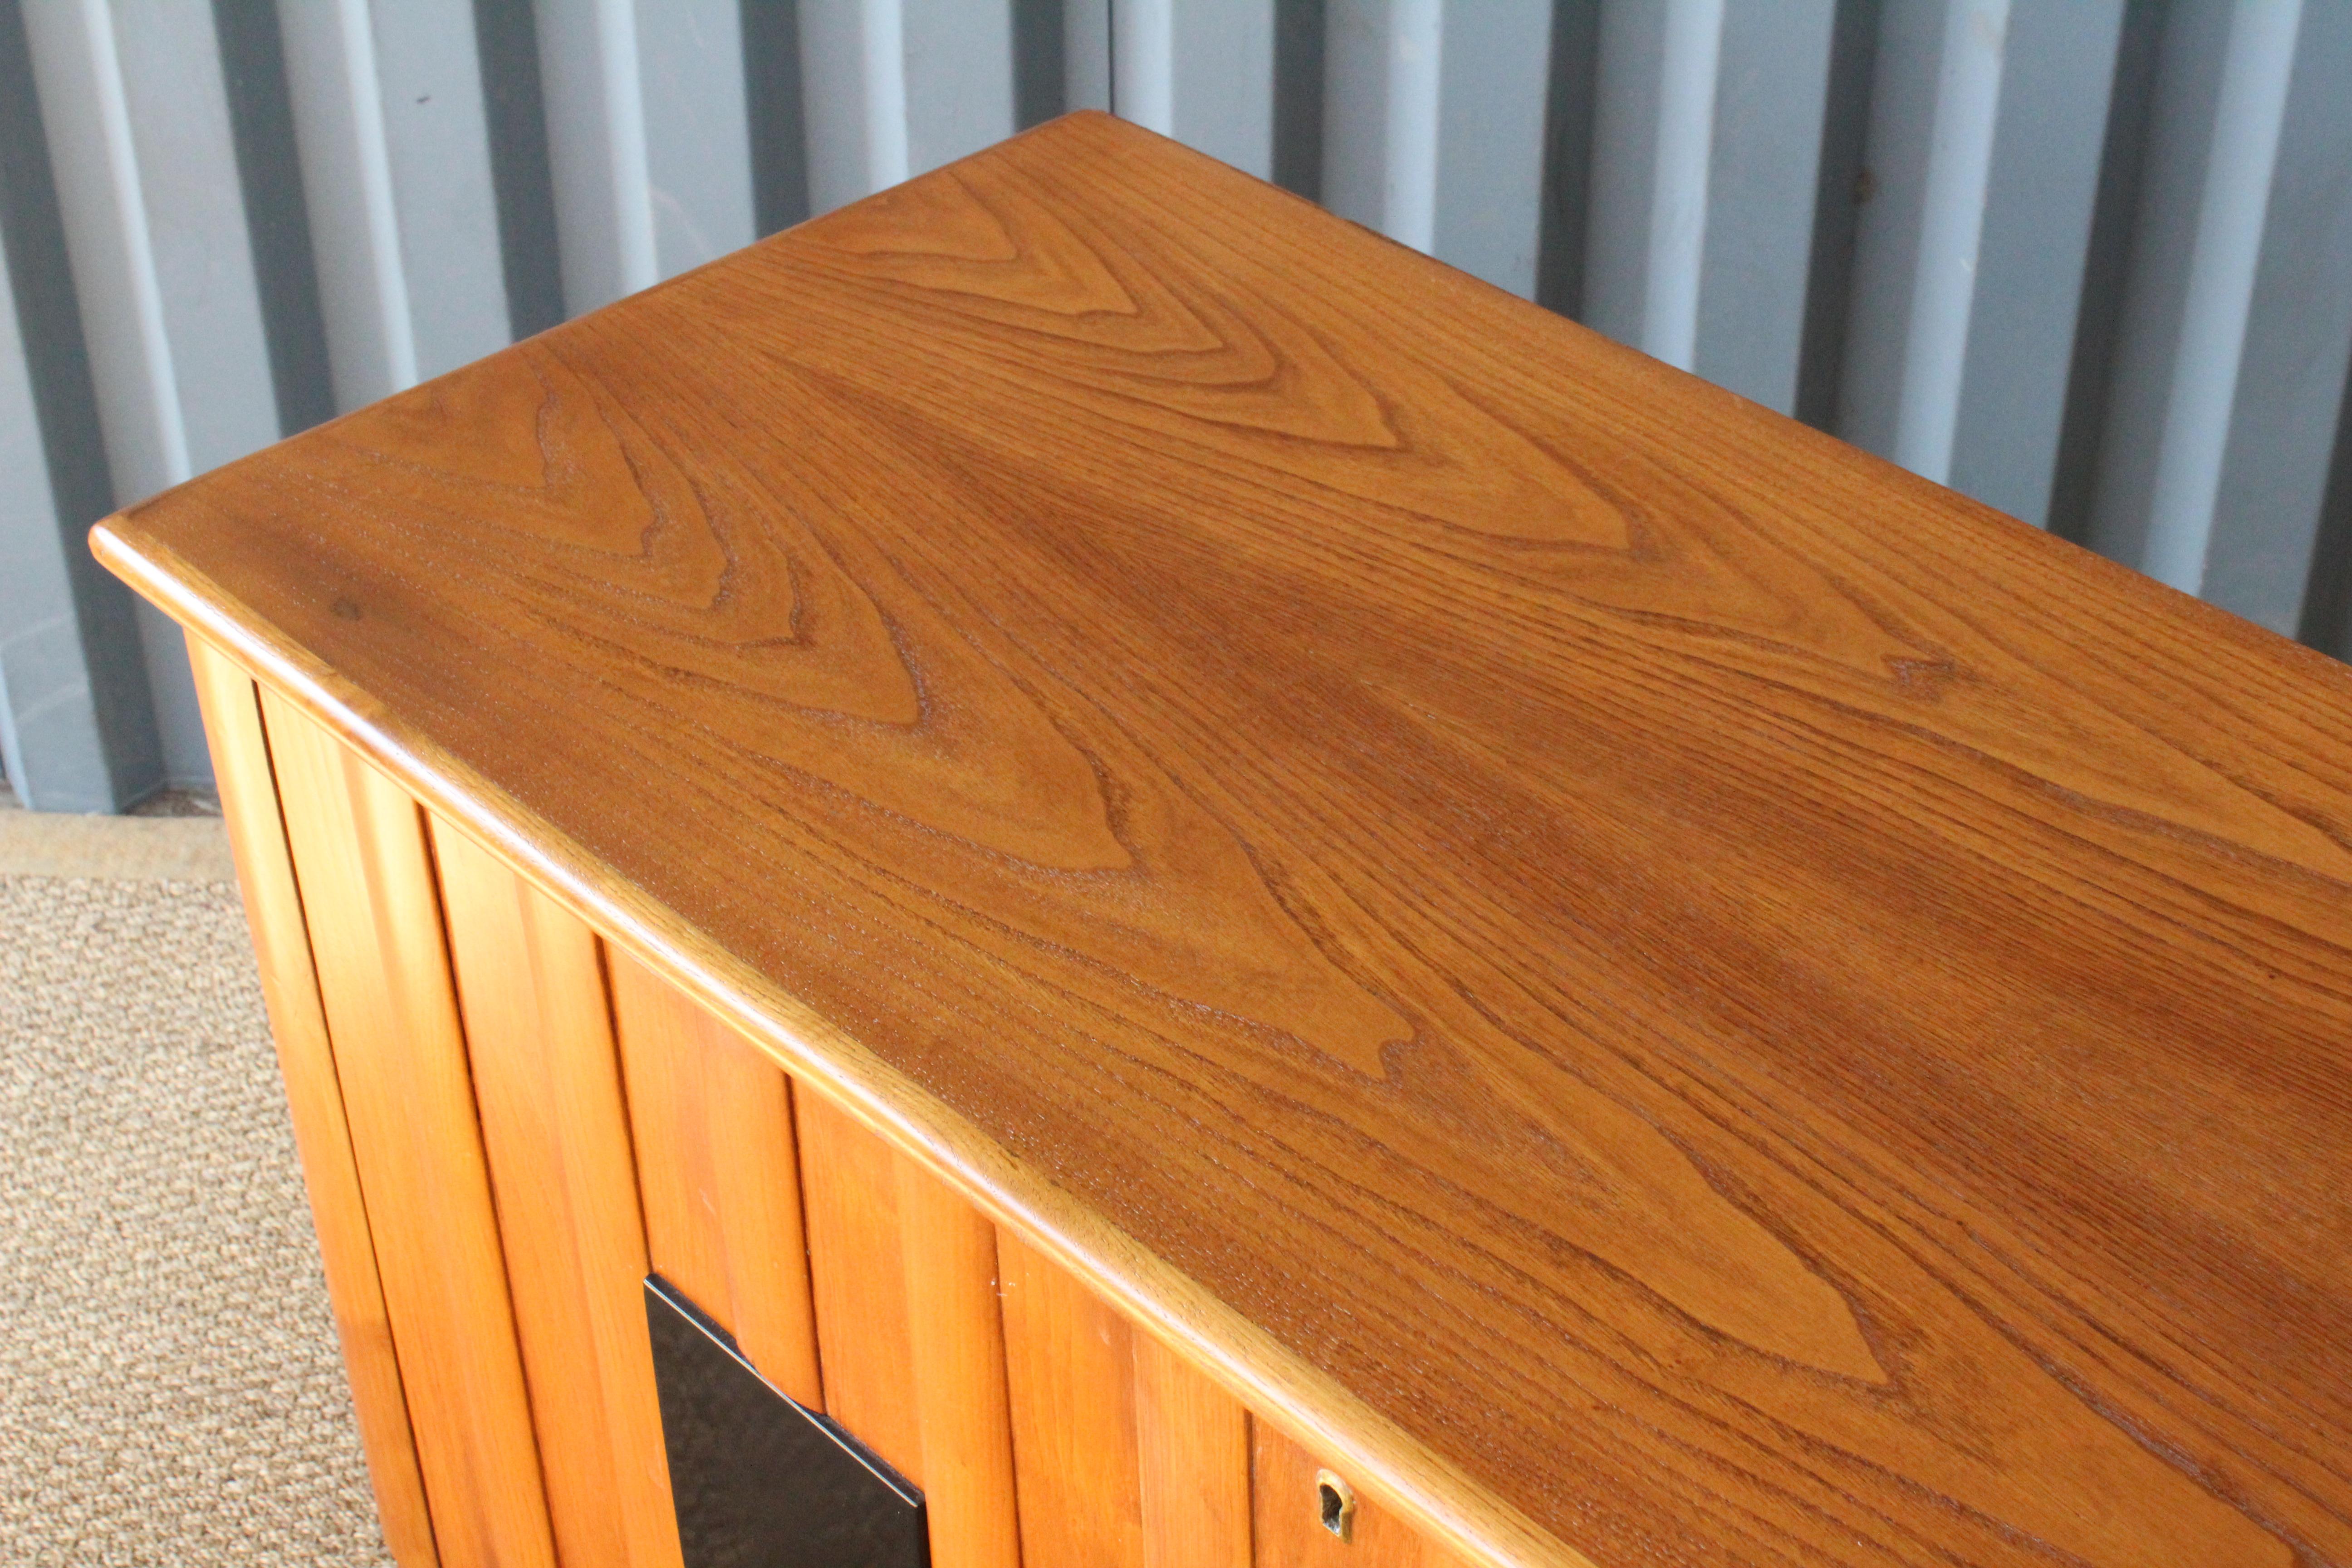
{"x":909,"y":1332}
{"x":1192,"y":1442}
{"x":1126,"y":1456}
{"x":290,"y":989}
{"x":366,"y":881}
{"x":1069,"y":1364}
{"x":547,"y":1078}
{"x":1288,"y":1524}
{"x":718,"y":1174}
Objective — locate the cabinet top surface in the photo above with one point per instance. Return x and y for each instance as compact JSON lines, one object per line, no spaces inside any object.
{"x":1759,"y":1010}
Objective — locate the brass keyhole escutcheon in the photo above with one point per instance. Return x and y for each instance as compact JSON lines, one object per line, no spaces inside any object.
{"x":1335,"y":1501}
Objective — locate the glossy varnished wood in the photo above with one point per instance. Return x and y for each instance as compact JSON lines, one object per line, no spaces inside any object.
{"x":718,"y":1174}
{"x":909,"y":1331}
{"x":365,"y":873}
{"x":290,"y":989}
{"x":1610,"y":960}
{"x":1124,"y":1456}
{"x":547,"y":1081}
{"x":1287,"y":1504}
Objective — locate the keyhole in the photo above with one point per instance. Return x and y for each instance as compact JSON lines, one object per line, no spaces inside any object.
{"x":1337,"y":1500}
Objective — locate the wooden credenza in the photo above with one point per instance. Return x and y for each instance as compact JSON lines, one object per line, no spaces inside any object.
{"x":1184,"y":866}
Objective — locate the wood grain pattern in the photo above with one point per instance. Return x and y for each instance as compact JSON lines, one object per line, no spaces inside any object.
{"x":908,"y":1333}
{"x":1287,"y":1506}
{"x":366,"y":878}
{"x":297,"y":1022}
{"x":1750,"y":1008}
{"x":1125,"y":1456}
{"x":547,"y":1078}
{"x":718,"y":1174}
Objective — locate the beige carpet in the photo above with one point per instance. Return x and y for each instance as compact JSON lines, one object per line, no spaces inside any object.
{"x":170,"y":1387}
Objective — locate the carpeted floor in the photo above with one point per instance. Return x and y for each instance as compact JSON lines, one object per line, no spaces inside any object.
{"x":171,"y":1391}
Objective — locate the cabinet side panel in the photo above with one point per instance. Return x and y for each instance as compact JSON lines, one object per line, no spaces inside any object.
{"x":364,"y":872}
{"x":530,"y":989}
{"x":1288,"y":1521}
{"x":718,"y":1174}
{"x":290,"y":988}
{"x":907,"y":1331}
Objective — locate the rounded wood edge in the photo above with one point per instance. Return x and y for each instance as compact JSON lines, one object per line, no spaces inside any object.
{"x":1395,"y":1468}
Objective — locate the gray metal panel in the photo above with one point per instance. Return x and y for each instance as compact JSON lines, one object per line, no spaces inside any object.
{"x":958,"y":74}
{"x":1086,"y":53}
{"x":76,"y":719}
{"x":331,"y":80}
{"x":155,"y":218}
{"x":697,"y":154}
{"x":2058,"y":70}
{"x":278,"y":221}
{"x":1493,"y":62}
{"x":54,"y":696}
{"x":1381,"y":74}
{"x":853,"y":76}
{"x":590,"y":77}
{"x":648,"y":140}
{"x":2284,"y":420}
{"x":201,"y":250}
{"x":1640,"y":265}
{"x":775,"y":118}
{"x":396,"y":174}
{"x":106,"y":235}
{"x":436,"y":146}
{"x":1202,"y":71}
{"x":2219,"y":104}
{"x":1935,"y":109}
{"x":1771,"y":90}
{"x":50,"y":745}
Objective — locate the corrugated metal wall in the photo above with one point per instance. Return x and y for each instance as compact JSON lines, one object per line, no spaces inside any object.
{"x":2088,"y":259}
